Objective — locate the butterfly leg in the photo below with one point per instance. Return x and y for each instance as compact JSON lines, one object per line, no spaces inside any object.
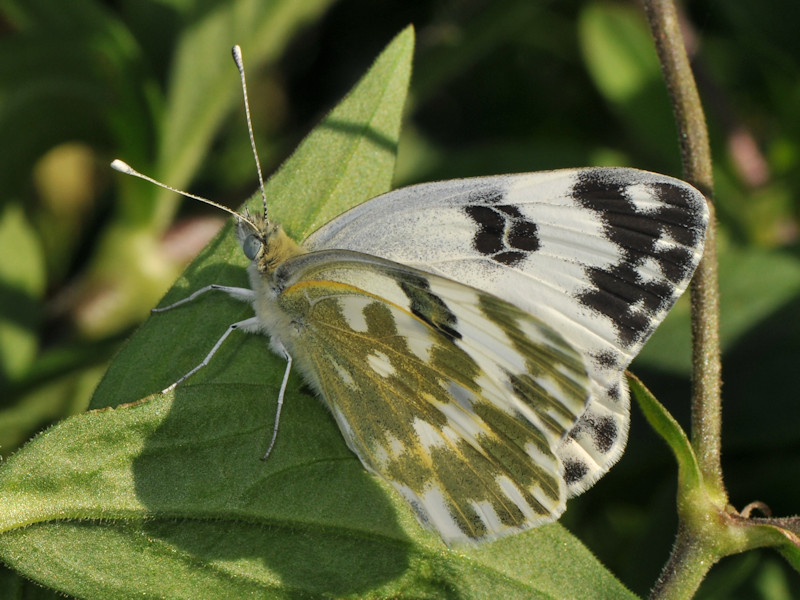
{"x":288,"y":358}
{"x":248,"y":324}
{"x":242,"y":294}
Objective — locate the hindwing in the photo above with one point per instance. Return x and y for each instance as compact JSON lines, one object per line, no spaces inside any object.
{"x":456,"y":397}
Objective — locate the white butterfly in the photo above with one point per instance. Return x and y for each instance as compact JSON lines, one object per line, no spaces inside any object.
{"x":470,"y":336}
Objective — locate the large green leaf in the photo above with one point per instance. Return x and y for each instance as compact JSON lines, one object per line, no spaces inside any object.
{"x":164,"y":495}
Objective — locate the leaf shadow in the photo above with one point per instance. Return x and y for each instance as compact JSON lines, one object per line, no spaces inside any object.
{"x":310,"y":514}
{"x":362,"y":131}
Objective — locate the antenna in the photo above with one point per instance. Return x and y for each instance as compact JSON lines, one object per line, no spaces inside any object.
{"x":123,"y":167}
{"x":237,"y":58}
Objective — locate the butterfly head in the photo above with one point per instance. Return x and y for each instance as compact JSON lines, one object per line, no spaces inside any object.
{"x":262,"y":241}
{"x":265,"y":243}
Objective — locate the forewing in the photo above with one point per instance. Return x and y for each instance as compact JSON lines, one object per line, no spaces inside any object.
{"x":600,"y":255}
{"x":455,"y":397}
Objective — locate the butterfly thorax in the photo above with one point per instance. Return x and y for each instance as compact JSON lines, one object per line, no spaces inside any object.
{"x":267,"y":246}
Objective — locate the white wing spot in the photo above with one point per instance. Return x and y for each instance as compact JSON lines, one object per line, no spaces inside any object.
{"x":451,"y":435}
{"x":666,"y":242}
{"x":381,"y":364}
{"x":344,"y":376}
{"x":391,"y":449}
{"x":353,"y":312}
{"x":554,"y":507}
{"x":489,"y":516}
{"x":418,"y":339}
{"x":513,"y":493}
{"x":435,"y":505}
{"x":428,"y":435}
{"x":642,"y":198}
{"x":650,"y":271}
{"x":548,"y":461}
{"x":396,"y":447}
{"x":466,"y":425}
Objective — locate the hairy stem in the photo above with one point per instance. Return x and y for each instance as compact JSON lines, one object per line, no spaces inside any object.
{"x":685,"y":570}
{"x":696,"y":156}
{"x":691,"y":555}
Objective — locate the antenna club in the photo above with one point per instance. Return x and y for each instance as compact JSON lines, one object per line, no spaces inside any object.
{"x":122,"y":166}
{"x":236,"y":51}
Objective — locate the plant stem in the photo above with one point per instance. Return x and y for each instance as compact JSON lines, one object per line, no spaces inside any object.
{"x":693,"y":553}
{"x":696,"y":157}
{"x":684,"y":572}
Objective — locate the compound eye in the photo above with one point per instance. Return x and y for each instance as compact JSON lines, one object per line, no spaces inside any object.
{"x":251,"y":246}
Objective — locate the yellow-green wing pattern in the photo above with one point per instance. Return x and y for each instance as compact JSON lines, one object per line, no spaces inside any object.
{"x":457,"y":398}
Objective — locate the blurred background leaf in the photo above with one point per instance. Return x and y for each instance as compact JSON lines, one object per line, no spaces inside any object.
{"x":499,"y":86}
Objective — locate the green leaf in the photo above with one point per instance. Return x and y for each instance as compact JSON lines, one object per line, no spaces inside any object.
{"x":22,"y":285}
{"x":670,"y":431}
{"x":619,"y":55}
{"x":618,"y":50}
{"x":781,"y":533}
{"x":363,"y":129}
{"x":166,"y":497}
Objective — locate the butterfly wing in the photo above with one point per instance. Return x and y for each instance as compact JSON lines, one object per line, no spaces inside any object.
{"x":600,"y":255}
{"x":457,"y":398}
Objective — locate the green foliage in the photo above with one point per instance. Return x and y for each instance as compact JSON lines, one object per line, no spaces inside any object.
{"x":499,"y":87}
{"x":171,"y":485}
{"x":167,"y":497}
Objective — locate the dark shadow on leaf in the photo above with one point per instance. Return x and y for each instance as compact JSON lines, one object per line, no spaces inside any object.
{"x":359,"y":130}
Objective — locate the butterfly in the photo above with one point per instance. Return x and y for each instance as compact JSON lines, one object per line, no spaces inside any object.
{"x":470,"y":336}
